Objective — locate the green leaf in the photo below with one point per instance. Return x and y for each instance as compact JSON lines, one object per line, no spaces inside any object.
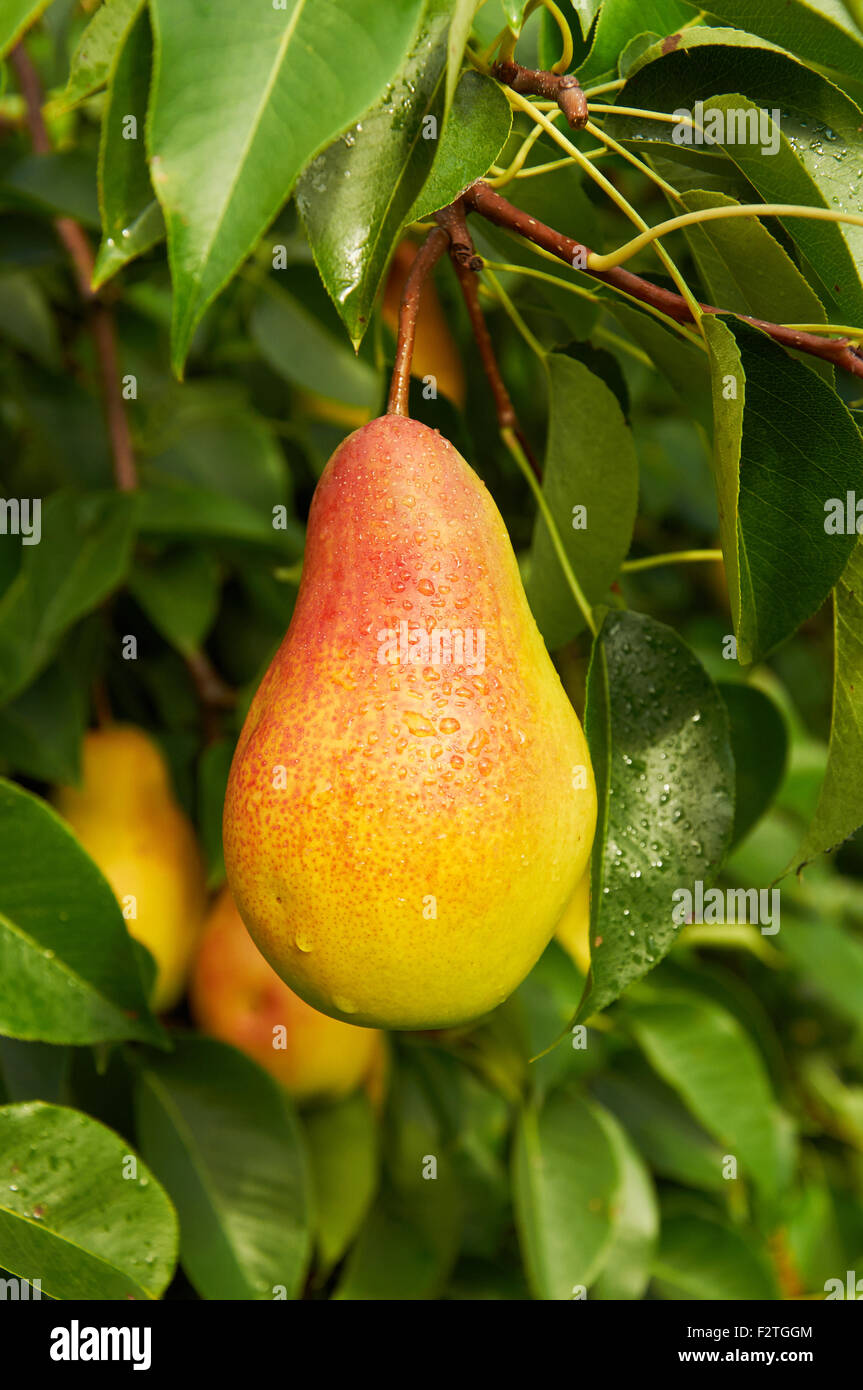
{"x":404,"y":1251}
{"x":783,"y":434}
{"x":577,"y":475}
{"x":222,"y":1136}
{"x":34,"y":1071}
{"x":658,"y":736}
{"x":586,"y":12}
{"x":513,"y":13}
{"x":41,"y":730}
{"x":685,"y":366}
{"x":704,"y":1054}
{"x":26,"y":320}
{"x":820,"y":144}
{"x":132,"y":220}
{"x":343,"y":1150}
{"x":817,"y":30}
{"x":463,"y":13}
{"x":68,"y":971}
{"x":759,"y":742}
{"x":665,"y":1132}
{"x":96,"y":52}
{"x":620,"y":21}
{"x":288,"y":82}
{"x":545,"y":1000}
{"x":82,"y":556}
{"x":196,"y":435}
{"x":61,"y":184}
{"x":746,"y":271}
{"x":78,"y":1211}
{"x":565,"y":1186}
{"x":179,"y":592}
{"x":815,"y":1235}
{"x":476,"y":131}
{"x":840,"y":804}
{"x":16,"y":18}
{"x":356,"y":196}
{"x":829,"y":960}
{"x":408,"y":1244}
{"x":626,"y":1271}
{"x":701,"y":1259}
{"x":182,"y":512}
{"x":302,"y":350}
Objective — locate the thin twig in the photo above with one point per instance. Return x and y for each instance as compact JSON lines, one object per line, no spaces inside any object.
{"x":426,"y":258}
{"x":215,"y":696}
{"x":490,"y":205}
{"x":212,"y":690}
{"x":466,"y":263}
{"x":563,"y":88}
{"x":101,"y":321}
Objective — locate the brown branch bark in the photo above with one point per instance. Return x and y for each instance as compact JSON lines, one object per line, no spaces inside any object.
{"x":101,"y":321}
{"x":481,"y":198}
{"x":423,"y":263}
{"x":564,"y":88}
{"x":215,"y":696}
{"x":212,"y":690}
{"x":466,"y":264}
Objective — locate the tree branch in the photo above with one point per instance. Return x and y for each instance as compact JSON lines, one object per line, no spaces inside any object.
{"x":466,"y":264}
{"x":481,"y":198}
{"x":101,"y":321}
{"x":564,"y":88}
{"x":214,"y":694}
{"x":426,"y":258}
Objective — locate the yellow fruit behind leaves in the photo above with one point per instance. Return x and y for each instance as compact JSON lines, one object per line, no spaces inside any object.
{"x":125,"y":815}
{"x":237,"y":997}
{"x":573,"y":931}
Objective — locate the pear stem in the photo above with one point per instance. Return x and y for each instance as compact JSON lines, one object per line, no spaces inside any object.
{"x":481,"y":198}
{"x":424,"y":262}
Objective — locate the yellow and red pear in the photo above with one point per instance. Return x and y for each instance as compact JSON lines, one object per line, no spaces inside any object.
{"x":401,"y":836}
{"x":573,"y":929}
{"x":237,"y":997}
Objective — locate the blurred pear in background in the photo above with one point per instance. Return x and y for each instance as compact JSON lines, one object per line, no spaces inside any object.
{"x":126,"y":816}
{"x":236,"y":996}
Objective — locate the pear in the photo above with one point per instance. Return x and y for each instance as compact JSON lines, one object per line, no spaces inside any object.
{"x":126,"y":817}
{"x":573,"y":929}
{"x":237,"y":997}
{"x":411,"y":801}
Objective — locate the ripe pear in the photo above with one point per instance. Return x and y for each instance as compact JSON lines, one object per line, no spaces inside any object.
{"x":126,"y":817}
{"x":435,"y":351}
{"x":411,"y":801}
{"x":573,"y":929}
{"x":237,"y":997}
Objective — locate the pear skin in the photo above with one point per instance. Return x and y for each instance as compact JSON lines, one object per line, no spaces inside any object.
{"x":402,"y":836}
{"x":126,"y":817}
{"x":237,"y":997}
{"x":573,"y":929}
